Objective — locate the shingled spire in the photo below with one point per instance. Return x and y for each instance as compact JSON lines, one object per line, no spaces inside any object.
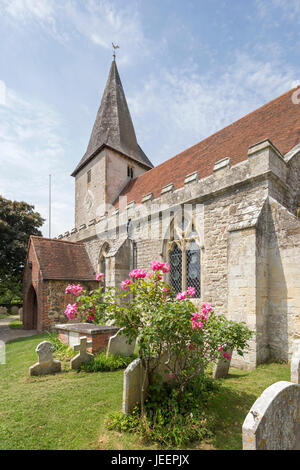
{"x":113,"y":125}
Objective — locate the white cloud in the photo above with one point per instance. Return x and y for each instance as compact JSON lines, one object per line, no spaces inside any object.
{"x":100,"y":21}
{"x":22,"y":10}
{"x":287,"y":9}
{"x":31,"y":148}
{"x":185,"y":107}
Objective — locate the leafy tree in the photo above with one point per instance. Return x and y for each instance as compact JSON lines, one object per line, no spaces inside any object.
{"x":18,"y":221}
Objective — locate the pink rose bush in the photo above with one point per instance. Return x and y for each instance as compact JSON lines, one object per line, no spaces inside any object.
{"x":168,"y":325}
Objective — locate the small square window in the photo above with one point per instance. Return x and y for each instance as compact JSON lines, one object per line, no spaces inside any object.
{"x":89,"y":176}
{"x":130,"y":171}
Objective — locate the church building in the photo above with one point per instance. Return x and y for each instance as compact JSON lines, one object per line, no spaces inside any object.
{"x":225,"y":214}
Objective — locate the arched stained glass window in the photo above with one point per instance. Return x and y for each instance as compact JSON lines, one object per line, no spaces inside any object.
{"x":184,"y":256}
{"x":193,"y":267}
{"x":175,"y":261}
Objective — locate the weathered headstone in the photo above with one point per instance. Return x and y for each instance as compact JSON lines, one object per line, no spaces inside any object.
{"x":83,"y":355}
{"x":46,"y":364}
{"x":3,"y":311}
{"x":132,"y":385}
{"x":295,"y":368}
{"x":118,"y":344}
{"x":2,"y":353}
{"x":222,"y":367}
{"x":133,"y":380}
{"x":14,"y":310}
{"x":273,"y":422}
{"x":21,"y":313}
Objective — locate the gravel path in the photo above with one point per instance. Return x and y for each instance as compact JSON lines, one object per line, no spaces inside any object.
{"x":7,"y":334}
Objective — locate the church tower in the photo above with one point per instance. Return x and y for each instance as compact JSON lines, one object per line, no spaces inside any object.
{"x":113,"y":156}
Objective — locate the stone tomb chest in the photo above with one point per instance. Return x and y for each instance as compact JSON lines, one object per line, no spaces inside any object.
{"x":70,"y":333}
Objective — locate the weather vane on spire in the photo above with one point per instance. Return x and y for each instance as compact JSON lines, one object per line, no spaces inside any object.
{"x":115,"y":47}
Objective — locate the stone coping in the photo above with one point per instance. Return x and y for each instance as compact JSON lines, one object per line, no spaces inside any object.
{"x":87,"y":328}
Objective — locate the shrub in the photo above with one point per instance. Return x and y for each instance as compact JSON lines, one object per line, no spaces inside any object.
{"x":62,"y":351}
{"x":167,"y":326}
{"x":168,"y":421}
{"x":101,"y":363}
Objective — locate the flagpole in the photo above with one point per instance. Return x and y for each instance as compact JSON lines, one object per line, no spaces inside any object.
{"x":49,"y":206}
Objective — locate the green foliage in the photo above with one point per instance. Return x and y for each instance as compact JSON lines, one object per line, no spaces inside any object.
{"x":167,"y":420}
{"x":101,"y":363}
{"x":62,"y":351}
{"x":167,"y":328}
{"x":17,"y":222}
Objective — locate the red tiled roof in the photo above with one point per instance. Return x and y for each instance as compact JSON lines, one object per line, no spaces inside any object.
{"x":59,"y":259}
{"x":278,"y":121}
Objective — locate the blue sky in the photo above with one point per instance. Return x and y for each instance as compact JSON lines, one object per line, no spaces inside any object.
{"x":188,"y":67}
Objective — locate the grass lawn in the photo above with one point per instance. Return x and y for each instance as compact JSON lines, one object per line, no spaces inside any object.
{"x":16,"y":325}
{"x":67,"y":410}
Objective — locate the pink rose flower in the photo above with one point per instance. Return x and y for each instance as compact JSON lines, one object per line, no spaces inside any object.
{"x":227,"y":356}
{"x":91,"y":317}
{"x":125,"y":284}
{"x":181,"y":295}
{"x":171,"y":375}
{"x":71,"y":311}
{"x":74,"y":289}
{"x":138,"y":274}
{"x":100,"y":277}
{"x":191,"y":291}
{"x":158,"y":266}
{"x":220,"y":348}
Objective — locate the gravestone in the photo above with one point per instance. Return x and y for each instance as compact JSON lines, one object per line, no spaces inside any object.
{"x":133,"y":381}
{"x":3,"y":311}
{"x":295,"y":368}
{"x":118,"y":344}
{"x":83,"y":355}
{"x":222,"y":367}
{"x":46,"y":364}
{"x":273,"y":422}
{"x":14,"y":310}
{"x":2,"y":353}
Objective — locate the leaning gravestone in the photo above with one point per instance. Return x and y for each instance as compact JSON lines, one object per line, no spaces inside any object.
{"x":118,"y":344}
{"x":273,"y":422}
{"x":222,"y":367}
{"x":133,"y":381}
{"x":295,"y":368}
{"x":83,"y":355}
{"x":46,"y":364}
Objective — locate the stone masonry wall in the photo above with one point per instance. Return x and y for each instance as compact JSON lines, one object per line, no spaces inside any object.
{"x":55,"y":301}
{"x":283,"y":281}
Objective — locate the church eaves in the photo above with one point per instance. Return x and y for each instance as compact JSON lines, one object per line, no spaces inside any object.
{"x":113,"y":126}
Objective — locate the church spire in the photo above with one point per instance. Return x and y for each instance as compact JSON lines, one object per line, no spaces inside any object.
{"x":113,"y":125}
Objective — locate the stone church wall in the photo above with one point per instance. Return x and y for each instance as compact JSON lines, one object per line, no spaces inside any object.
{"x":284,"y":281}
